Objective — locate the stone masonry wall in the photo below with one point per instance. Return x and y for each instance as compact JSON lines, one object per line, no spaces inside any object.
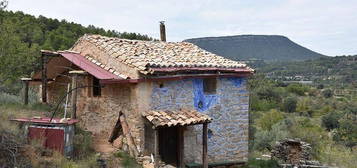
{"x":100,"y":114}
{"x":228,"y":132}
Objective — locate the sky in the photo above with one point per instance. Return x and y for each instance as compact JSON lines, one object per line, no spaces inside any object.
{"x":325,"y":26}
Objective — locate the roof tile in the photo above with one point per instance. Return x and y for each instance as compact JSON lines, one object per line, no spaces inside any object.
{"x":156,"y":54}
{"x":180,"y":117}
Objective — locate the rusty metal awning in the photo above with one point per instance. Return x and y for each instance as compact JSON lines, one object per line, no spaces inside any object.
{"x":170,"y":118}
{"x":63,"y":60}
{"x":46,"y":120}
{"x":89,"y":66}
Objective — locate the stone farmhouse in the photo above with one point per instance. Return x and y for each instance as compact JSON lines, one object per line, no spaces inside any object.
{"x":171,"y":102}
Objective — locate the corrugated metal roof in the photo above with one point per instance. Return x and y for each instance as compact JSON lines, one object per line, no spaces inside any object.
{"x":180,"y":117}
{"x":94,"y":68}
{"x":46,"y":120}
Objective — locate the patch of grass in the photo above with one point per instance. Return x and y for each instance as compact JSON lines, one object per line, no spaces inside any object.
{"x":126,"y":160}
{"x":255,"y":163}
{"x":6,"y":98}
{"x":82,"y":144}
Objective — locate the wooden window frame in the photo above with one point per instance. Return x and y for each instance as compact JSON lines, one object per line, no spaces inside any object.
{"x":209,"y":86}
{"x":96,"y":89}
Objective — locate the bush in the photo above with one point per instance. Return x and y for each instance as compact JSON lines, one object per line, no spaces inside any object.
{"x":82,"y":144}
{"x":269,"y":93}
{"x":298,"y":89}
{"x":338,"y":155}
{"x":127,"y":161}
{"x":264,"y":140}
{"x":330,"y":120}
{"x":327,"y":93}
{"x":6,"y":98}
{"x":320,"y":86}
{"x":347,"y":132}
{"x":290,"y":104}
{"x":268,"y":119}
{"x":304,"y":108}
{"x":261,"y":104}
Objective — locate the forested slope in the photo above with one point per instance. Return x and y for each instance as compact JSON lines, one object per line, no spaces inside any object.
{"x":22,"y":36}
{"x":328,"y":70}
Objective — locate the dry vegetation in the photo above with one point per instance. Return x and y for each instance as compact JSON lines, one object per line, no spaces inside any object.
{"x":15,"y":151}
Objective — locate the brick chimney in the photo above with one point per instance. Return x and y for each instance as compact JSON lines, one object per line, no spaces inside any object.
{"x":162,"y":31}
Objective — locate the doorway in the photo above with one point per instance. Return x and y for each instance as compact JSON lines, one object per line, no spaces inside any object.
{"x":168,"y":145}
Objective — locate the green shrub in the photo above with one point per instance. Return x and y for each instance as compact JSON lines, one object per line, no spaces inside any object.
{"x":127,"y":161}
{"x":264,"y":140}
{"x":347,"y":132}
{"x":268,"y":119}
{"x":304,"y":108}
{"x":6,"y":98}
{"x":269,"y":93}
{"x":298,"y":89}
{"x":338,"y":155}
{"x":290,"y":104}
{"x":261,"y":104}
{"x":82,"y":144}
{"x":327,"y":93}
{"x":330,"y":120}
{"x":255,"y":163}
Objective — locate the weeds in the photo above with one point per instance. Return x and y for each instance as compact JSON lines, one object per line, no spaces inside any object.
{"x":82,"y":144}
{"x":255,"y":163}
{"x":13,"y":140}
{"x":126,"y":160}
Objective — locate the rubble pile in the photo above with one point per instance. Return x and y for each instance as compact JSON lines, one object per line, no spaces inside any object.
{"x":293,"y":151}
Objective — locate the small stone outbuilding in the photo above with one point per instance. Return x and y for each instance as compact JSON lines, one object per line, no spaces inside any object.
{"x":171,"y":100}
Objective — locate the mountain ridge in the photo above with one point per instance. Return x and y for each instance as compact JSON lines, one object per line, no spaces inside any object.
{"x":256,"y":47}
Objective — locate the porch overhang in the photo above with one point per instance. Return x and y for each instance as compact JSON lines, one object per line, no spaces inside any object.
{"x":171,"y":118}
{"x":62,"y":61}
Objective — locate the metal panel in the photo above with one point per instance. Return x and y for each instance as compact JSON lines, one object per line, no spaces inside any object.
{"x":51,"y":137}
{"x":46,"y":121}
{"x":88,"y":66}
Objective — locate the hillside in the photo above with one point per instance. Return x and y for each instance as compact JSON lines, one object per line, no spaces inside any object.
{"x":333,"y":70}
{"x":253,"y":47}
{"x":22,"y":36}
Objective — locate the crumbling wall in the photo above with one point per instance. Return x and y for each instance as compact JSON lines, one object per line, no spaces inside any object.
{"x":100,"y":114}
{"x":228,"y":132}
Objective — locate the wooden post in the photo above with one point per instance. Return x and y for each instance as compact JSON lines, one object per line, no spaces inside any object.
{"x":74,"y":96}
{"x":133,"y":150}
{"x":26,"y":90}
{"x":181,"y":144}
{"x":204,"y":144}
{"x":44,"y":77}
{"x":74,"y":89}
{"x":156,"y":152}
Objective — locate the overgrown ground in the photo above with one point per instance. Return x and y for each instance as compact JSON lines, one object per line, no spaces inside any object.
{"x":314,"y":114}
{"x":311,"y":113}
{"x":15,"y":151}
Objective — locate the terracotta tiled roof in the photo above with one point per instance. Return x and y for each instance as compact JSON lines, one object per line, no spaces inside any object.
{"x":146,"y":56}
{"x":176,"y":118}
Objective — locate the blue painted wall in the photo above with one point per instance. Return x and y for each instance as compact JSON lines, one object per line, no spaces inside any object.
{"x":228,"y":132}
